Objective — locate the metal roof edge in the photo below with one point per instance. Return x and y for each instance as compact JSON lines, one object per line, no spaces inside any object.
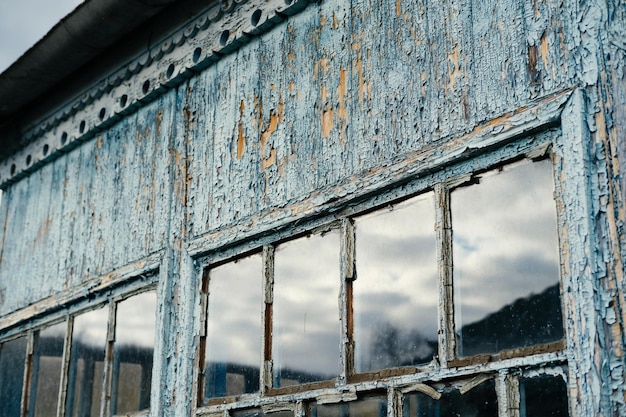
{"x":79,"y":37}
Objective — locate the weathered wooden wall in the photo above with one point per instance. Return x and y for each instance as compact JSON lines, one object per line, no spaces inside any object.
{"x":340,"y":89}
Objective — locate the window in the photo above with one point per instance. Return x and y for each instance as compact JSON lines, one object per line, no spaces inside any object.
{"x":233,"y":362}
{"x":395,"y":290}
{"x":305,"y":327}
{"x":506,"y":261}
{"x":414,"y":293}
{"x":77,"y":363}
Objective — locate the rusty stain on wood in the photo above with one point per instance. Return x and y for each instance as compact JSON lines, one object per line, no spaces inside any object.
{"x":241,"y":140}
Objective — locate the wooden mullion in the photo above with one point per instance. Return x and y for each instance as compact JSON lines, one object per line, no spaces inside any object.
{"x":106,"y":400}
{"x":348,"y":275}
{"x":28,"y":374}
{"x":266,"y":374}
{"x":443,"y":226}
{"x":65,"y":368}
{"x":204,"y":312}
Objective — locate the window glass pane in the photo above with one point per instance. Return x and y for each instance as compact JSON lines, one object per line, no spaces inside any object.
{"x":48,"y":365}
{"x":506,"y":264}
{"x":479,"y":401}
{"x":543,"y":396}
{"x":395,"y":293}
{"x":366,"y":407}
{"x":233,"y":348}
{"x":12,"y":360}
{"x":133,"y":351}
{"x":87,"y":363}
{"x":305,"y":341}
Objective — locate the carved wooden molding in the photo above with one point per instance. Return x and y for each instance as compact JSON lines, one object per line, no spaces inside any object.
{"x":220,"y":30}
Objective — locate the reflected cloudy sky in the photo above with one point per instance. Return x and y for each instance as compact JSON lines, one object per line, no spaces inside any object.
{"x":24,"y":22}
{"x":395,"y":293}
{"x":234,"y":314}
{"x":135,"y":323}
{"x":306,"y":333}
{"x":504,"y":247}
{"x":90,"y":328}
{"x":136,"y":319}
{"x":505,"y":243}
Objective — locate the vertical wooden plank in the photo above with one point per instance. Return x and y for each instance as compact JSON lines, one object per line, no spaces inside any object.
{"x":85,"y":208}
{"x":107,"y":180}
{"x":54,"y":248}
{"x":5,"y":247}
{"x":160,"y":181}
{"x":574,"y":191}
{"x":223,"y":100}
{"x":547,"y":34}
{"x":168,"y":329}
{"x":70,"y":221}
{"x":300,"y":149}
{"x":451,"y":74}
{"x":125,"y":190}
{"x":16,"y":201}
{"x":332,"y":70}
{"x":201,"y":150}
{"x":500,"y":57}
{"x":390,"y":61}
{"x":179,"y":312}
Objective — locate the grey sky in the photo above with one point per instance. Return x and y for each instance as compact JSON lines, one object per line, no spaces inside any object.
{"x":24,"y":22}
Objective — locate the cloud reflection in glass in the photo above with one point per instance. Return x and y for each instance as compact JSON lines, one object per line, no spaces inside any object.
{"x":306,"y":330}
{"x":233,"y":349}
{"x":395,"y":293}
{"x":506,"y":261}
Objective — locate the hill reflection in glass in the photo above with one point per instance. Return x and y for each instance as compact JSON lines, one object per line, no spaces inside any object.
{"x":506,"y":261}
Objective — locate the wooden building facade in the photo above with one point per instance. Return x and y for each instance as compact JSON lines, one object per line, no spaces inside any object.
{"x":316,"y":208}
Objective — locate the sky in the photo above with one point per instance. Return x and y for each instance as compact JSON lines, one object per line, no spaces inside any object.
{"x":24,"y":22}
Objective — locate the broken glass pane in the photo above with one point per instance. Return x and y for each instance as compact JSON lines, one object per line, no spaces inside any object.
{"x":395,"y":293}
{"x":543,"y":396}
{"x":479,"y":401}
{"x":233,"y":345}
{"x":12,"y":361}
{"x":86,"y":370}
{"x":506,"y":261}
{"x":47,"y":368}
{"x":374,"y":406}
{"x":133,"y":352}
{"x":305,"y":341}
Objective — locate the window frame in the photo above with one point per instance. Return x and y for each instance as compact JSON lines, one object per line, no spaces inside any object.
{"x":107,"y":299}
{"x":537,"y":131}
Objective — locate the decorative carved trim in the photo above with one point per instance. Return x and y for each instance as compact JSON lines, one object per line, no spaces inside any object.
{"x":220,"y":30}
